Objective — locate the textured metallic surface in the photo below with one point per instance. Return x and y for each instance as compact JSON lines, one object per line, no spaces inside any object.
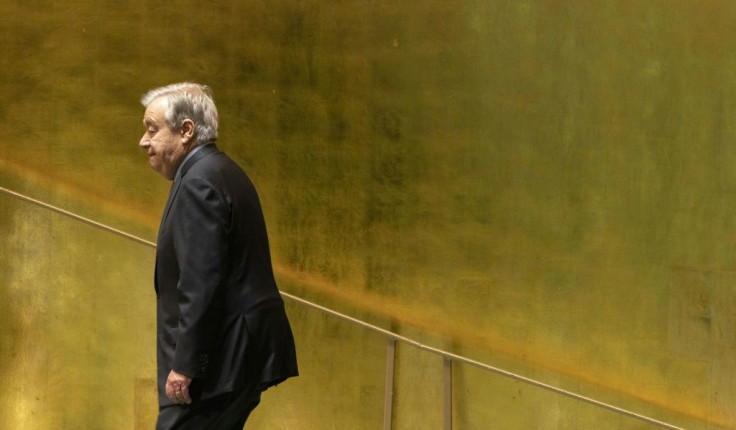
{"x":392,"y":337}
{"x":543,"y":185}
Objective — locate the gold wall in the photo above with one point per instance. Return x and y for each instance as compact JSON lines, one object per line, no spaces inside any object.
{"x":546,"y":186}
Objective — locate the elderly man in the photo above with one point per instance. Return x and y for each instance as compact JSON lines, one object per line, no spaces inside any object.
{"x":223,"y":334}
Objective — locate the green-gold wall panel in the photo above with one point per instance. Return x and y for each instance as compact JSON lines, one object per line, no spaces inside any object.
{"x":547,"y":186}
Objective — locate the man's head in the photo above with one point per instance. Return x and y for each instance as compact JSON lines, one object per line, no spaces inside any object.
{"x":178,"y":117}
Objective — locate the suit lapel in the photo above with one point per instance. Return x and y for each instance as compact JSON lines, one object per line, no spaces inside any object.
{"x":204,"y":151}
{"x":172,"y":194}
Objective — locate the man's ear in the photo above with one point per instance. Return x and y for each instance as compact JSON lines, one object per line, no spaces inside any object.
{"x":187,"y":130}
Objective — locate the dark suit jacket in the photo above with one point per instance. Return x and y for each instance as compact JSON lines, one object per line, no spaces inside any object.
{"x":220,"y":317}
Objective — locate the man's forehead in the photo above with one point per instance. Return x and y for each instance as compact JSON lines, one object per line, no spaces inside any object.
{"x":151,"y":118}
{"x":155,"y":111}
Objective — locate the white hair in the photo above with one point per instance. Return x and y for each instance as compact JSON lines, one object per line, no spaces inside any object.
{"x":188,"y":100}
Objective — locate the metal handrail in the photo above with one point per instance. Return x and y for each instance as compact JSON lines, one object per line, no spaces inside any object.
{"x":392,"y":337}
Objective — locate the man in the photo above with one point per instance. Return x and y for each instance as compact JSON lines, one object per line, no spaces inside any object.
{"x":223,"y":334}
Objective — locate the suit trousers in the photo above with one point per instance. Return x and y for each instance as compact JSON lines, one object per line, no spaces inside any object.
{"x":227,"y":411}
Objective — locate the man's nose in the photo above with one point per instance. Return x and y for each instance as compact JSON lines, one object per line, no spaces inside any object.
{"x":144,"y":142}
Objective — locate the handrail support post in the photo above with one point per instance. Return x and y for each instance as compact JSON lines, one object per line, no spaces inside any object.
{"x":388,"y":401}
{"x":448,"y":393}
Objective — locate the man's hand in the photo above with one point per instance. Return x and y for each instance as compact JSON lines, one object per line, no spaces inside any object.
{"x":177,"y":388}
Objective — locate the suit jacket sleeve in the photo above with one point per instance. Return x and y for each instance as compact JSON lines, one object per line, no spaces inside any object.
{"x":200,"y":242}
